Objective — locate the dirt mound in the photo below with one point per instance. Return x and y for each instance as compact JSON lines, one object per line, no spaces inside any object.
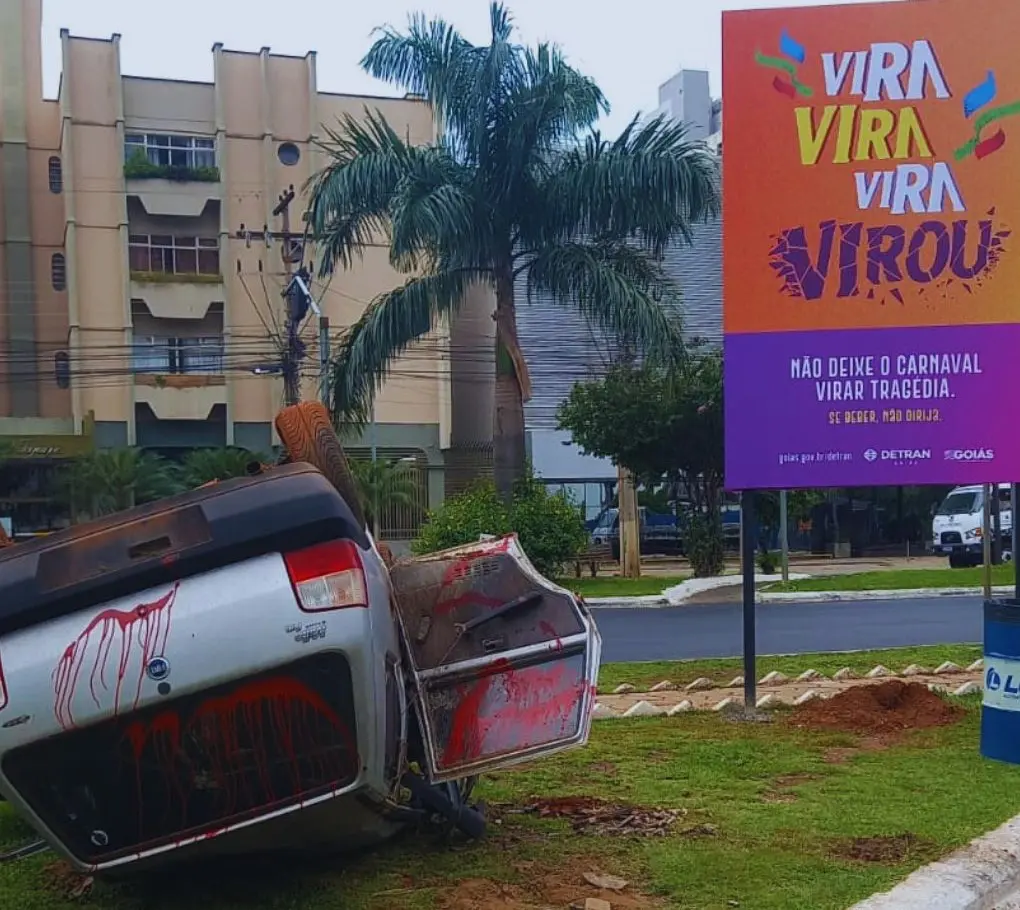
{"x":889,"y":707}
{"x":888,"y":850}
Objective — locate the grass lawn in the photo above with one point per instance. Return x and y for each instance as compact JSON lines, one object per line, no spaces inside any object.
{"x":648,"y":673}
{"x":613,"y":586}
{"x":900,"y":579}
{"x":765,"y":810}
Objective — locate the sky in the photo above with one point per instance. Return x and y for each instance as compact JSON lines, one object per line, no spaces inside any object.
{"x":628,"y":47}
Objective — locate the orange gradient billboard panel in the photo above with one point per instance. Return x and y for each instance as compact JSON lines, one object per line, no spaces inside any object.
{"x":872,"y":165}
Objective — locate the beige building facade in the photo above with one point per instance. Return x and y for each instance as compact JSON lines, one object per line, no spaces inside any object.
{"x":130,"y":309}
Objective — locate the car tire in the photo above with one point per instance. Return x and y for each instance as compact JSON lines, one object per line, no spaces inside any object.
{"x":958,"y":561}
{"x":307,"y":433}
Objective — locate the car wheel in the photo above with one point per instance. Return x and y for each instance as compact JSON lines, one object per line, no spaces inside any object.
{"x":958,"y":561}
{"x":307,"y":432}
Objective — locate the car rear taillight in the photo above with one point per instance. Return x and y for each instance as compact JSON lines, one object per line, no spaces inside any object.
{"x":328,"y":576}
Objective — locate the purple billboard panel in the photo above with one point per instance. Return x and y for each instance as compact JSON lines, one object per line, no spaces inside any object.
{"x":872,"y":407}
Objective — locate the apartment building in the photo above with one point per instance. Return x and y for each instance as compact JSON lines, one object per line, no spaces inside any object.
{"x":131,"y":313}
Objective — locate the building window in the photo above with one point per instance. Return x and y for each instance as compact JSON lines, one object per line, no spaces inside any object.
{"x":58,"y":272}
{"x":155,"y":354}
{"x":174,"y":255}
{"x":288,"y":153}
{"x":56,"y":172}
{"x":172,"y":151}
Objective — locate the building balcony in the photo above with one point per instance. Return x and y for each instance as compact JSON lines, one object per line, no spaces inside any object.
{"x":175,"y":277}
{"x":171,"y":174}
{"x":176,"y":300}
{"x":161,"y":196}
{"x":180,"y":396}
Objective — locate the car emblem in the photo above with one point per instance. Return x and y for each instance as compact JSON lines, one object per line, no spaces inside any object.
{"x":158,"y":669}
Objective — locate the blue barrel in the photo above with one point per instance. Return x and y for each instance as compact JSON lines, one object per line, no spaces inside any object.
{"x":1000,"y":708}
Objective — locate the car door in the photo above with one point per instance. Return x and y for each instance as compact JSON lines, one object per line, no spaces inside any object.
{"x":503,"y":662}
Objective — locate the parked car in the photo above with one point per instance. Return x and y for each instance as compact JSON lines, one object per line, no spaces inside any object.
{"x":661,"y":534}
{"x":237,"y":669}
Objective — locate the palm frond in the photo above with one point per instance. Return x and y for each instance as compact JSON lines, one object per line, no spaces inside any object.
{"x":350,"y":197}
{"x":392,"y":322}
{"x":433,"y":208}
{"x":618,"y":288}
{"x":546,"y":106}
{"x":651,"y":184}
{"x":384,"y":485}
{"x":202,"y":466}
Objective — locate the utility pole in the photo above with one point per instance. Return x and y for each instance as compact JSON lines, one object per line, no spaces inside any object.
{"x":291,"y":252}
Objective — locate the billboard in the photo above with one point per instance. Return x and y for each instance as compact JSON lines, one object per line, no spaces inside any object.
{"x":871,"y":181}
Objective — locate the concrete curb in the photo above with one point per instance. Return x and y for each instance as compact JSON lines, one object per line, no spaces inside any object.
{"x":899,"y":594}
{"x":976,"y":877}
{"x":679,"y":594}
{"x":618,"y":603}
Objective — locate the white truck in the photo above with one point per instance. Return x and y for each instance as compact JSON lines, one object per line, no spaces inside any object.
{"x":957,"y":528}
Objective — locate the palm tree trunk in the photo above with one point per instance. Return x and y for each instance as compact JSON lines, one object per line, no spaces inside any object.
{"x":509,"y":452}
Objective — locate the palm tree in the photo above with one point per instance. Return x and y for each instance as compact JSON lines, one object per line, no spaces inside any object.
{"x":111,"y":480}
{"x":202,"y":466}
{"x":519,"y":185}
{"x":383,"y":485}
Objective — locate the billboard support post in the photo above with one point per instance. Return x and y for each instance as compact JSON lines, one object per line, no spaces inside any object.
{"x":986,"y":539}
{"x":748,"y":535}
{"x":1014,"y":508}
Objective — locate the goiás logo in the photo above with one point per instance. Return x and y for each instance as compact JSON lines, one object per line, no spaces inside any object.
{"x":970,"y":455}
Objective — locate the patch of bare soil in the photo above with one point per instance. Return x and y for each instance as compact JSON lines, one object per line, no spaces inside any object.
{"x":570,"y":886}
{"x":61,"y":879}
{"x":594,"y":816}
{"x":886,"y":850}
{"x":888,"y":708}
{"x":781,"y":790}
{"x":604,"y":767}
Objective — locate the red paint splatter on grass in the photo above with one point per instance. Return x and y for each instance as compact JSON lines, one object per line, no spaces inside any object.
{"x":146,"y":626}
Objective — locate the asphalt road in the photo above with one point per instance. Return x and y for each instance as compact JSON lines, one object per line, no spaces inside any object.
{"x":716,"y":630}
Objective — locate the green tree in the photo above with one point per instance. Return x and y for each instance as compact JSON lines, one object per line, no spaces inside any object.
{"x":518,"y":186}
{"x":202,"y":466}
{"x":384,"y":485}
{"x":111,"y":480}
{"x":549,"y":526}
{"x":661,"y":422}
{"x":656,"y":422}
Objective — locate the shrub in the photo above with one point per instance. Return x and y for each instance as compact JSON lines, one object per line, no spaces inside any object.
{"x":549,"y":526}
{"x":768,"y":562}
{"x":705,"y":546}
